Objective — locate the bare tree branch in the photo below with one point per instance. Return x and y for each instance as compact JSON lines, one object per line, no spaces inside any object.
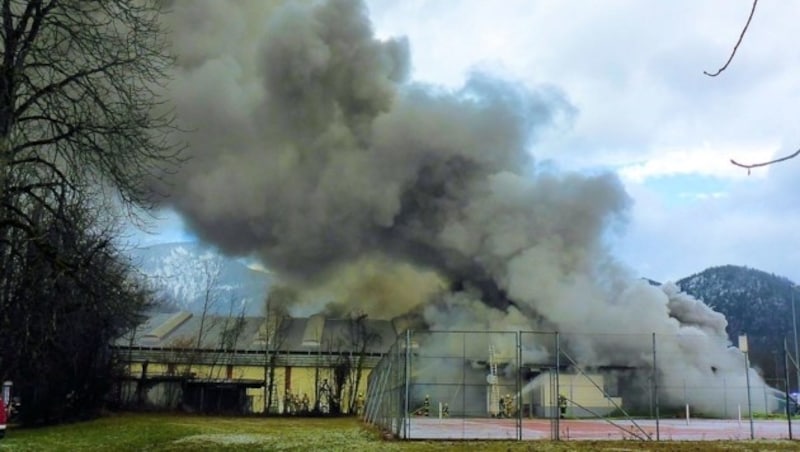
{"x":84,"y":83}
{"x":756,"y":165}
{"x":736,"y":47}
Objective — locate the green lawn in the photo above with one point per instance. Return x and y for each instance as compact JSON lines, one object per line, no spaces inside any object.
{"x":161,"y":432}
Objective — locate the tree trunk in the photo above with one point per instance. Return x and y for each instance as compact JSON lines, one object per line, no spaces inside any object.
{"x":271,"y":383}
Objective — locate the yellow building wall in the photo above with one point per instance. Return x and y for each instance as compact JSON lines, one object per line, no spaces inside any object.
{"x":582,"y":390}
{"x":302,"y":380}
{"x":135,"y":369}
{"x":578,"y":388}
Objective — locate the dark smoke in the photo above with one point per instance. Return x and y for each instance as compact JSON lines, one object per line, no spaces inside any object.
{"x":311,"y":149}
{"x":318,"y":153}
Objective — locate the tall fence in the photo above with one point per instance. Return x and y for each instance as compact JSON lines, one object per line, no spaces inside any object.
{"x":543,"y":385}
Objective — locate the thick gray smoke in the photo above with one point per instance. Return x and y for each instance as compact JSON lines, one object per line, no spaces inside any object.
{"x":311,"y":148}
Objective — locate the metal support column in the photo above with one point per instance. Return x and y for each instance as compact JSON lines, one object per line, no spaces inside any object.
{"x":555,"y":398}
{"x":786,"y":388}
{"x":655,"y":390}
{"x":796,"y":353}
{"x":406,"y":415}
{"x":744,"y":347}
{"x":519,"y":386}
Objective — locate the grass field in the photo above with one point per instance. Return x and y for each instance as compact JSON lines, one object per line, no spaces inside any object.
{"x":159,"y":432}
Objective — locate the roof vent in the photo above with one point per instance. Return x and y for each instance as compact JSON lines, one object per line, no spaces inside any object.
{"x":312,"y":335}
{"x":161,"y":331}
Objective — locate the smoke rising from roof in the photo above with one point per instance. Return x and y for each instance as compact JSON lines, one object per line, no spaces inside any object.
{"x":311,"y":148}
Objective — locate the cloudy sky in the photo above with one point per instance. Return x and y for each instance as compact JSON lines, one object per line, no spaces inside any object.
{"x":633,"y":70}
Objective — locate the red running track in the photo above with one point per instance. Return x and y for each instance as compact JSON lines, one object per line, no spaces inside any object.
{"x":595,"y":429}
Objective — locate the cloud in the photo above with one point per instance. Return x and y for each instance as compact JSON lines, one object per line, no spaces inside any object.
{"x":704,"y":160}
{"x":162,"y":226}
{"x":632,"y":68}
{"x":753,"y":221}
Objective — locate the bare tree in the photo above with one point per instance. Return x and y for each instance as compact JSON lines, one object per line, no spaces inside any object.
{"x":80,"y":92}
{"x":188,"y":350}
{"x":360,"y":337}
{"x":65,"y":294}
{"x":274,"y":333}
{"x":232,"y":327}
{"x":79,"y":101}
{"x":212,"y":270}
{"x":347,"y":352}
{"x":183,"y":355}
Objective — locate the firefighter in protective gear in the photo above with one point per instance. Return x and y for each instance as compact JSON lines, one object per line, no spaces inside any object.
{"x":360,"y":404}
{"x":287,"y":403}
{"x":562,"y":405}
{"x":507,"y":405}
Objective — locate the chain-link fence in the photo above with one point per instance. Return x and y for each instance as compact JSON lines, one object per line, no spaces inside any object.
{"x":535,"y":385}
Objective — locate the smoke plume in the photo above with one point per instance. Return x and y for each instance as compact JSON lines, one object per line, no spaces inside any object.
{"x":311,"y":148}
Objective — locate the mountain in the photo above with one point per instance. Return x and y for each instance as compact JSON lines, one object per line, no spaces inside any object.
{"x":188,"y":274}
{"x":755,"y":303}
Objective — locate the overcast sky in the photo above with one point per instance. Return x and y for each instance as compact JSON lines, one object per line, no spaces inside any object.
{"x":633,"y":70}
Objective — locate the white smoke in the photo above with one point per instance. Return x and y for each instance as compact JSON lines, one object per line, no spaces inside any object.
{"x":310,"y":149}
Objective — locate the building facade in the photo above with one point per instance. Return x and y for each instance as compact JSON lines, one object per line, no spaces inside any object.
{"x":250,"y":365}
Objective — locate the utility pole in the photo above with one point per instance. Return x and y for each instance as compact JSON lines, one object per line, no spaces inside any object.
{"x":796,"y":355}
{"x":788,"y":399}
{"x":745,"y":350}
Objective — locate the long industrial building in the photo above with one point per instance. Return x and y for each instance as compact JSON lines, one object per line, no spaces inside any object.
{"x":250,"y":364}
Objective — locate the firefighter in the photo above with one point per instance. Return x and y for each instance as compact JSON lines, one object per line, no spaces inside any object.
{"x":360,"y":404}
{"x":295,"y":403}
{"x":426,"y":406}
{"x":325,"y":397}
{"x":445,"y":410}
{"x":325,"y":386}
{"x":287,"y":403}
{"x":305,"y":403}
{"x":508,"y":405}
{"x":502,"y":411}
{"x":562,"y":405}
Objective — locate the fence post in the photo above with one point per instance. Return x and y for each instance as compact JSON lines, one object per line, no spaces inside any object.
{"x":557,"y":407}
{"x":746,"y":350}
{"x":725,"y":396}
{"x":685,"y":402}
{"x":655,"y":389}
{"x":463,"y":384}
{"x":406,"y":417}
{"x":519,"y":386}
{"x":786,"y":387}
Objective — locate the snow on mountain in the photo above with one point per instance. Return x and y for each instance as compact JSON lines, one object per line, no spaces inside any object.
{"x":755,"y":303}
{"x":190,"y":275}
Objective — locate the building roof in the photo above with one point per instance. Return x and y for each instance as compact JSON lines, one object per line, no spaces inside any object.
{"x":315,"y":333}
